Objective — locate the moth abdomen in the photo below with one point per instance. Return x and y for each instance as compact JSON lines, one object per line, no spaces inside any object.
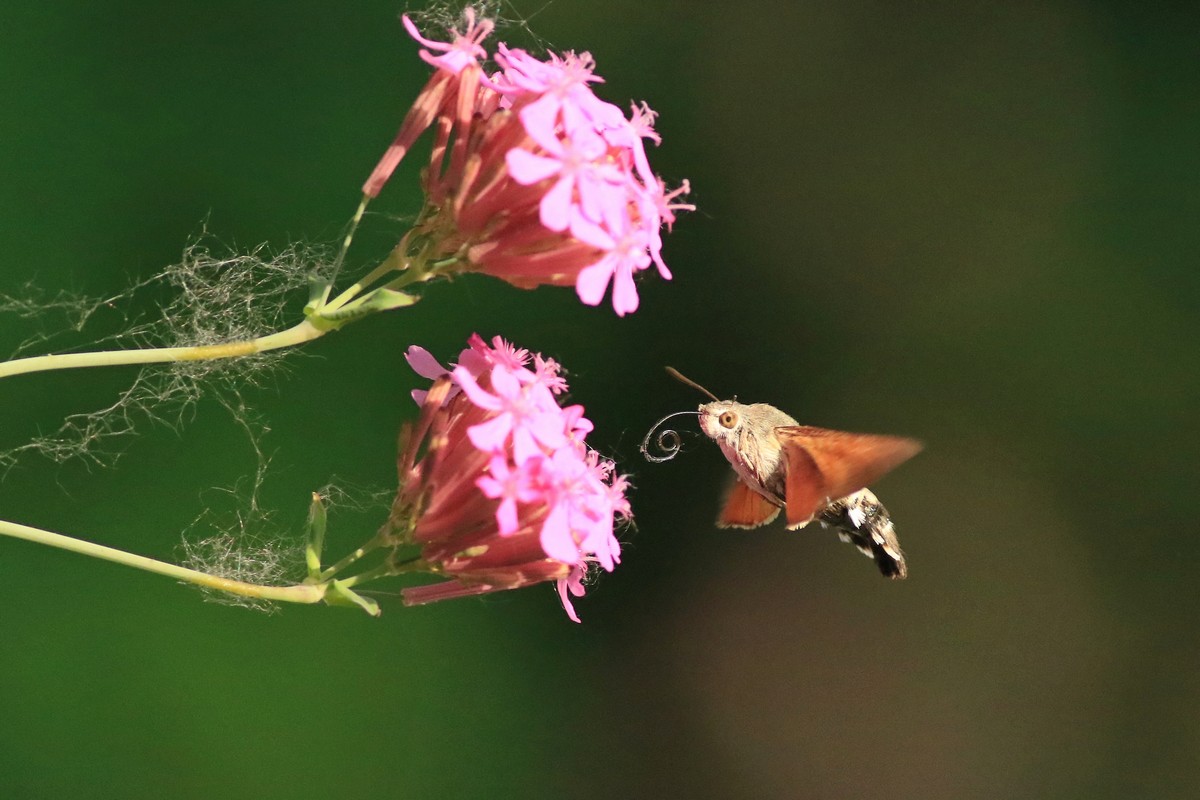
{"x":861,"y":520}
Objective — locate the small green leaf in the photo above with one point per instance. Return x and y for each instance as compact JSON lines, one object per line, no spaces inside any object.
{"x":371,"y":303}
{"x":339,"y":594}
{"x":387,"y":299}
{"x":316,"y":536}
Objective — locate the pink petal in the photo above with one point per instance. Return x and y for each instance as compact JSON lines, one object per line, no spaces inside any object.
{"x":527,"y":168}
{"x":555,"y":209}
{"x":476,"y":344}
{"x":490,"y":436}
{"x":625,"y":297}
{"x":423,"y":363}
{"x":505,"y":383}
{"x":506,"y":516}
{"x":411,"y":27}
{"x":491,"y":489}
{"x":592,"y":281}
{"x":575,"y":122}
{"x":456,"y":56}
{"x":602,"y":544}
{"x":594,"y":196}
{"x":604,"y":114}
{"x":474,"y":393}
{"x":576,"y":422}
{"x":573,"y":583}
{"x":473,"y":361}
{"x":524,"y":445}
{"x":586,"y":144}
{"x":530,"y":494}
{"x":540,"y":120}
{"x":567,"y":605}
{"x":548,"y":429}
{"x":543,"y":398}
{"x":656,"y":254}
{"x":589,"y":232}
{"x":556,"y":539}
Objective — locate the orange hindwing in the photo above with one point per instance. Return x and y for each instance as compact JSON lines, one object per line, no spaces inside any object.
{"x":745,"y":508}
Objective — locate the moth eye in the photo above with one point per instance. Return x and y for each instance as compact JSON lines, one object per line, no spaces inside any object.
{"x":728,"y":419}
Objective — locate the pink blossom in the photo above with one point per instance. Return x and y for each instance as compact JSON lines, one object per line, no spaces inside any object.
{"x":510,"y":486}
{"x":658,"y":203}
{"x":526,"y":417}
{"x":555,"y":82}
{"x":547,"y":370}
{"x":625,"y":251}
{"x":506,"y":493}
{"x":641,"y":120}
{"x":517,"y":158}
{"x":463,"y":52}
{"x":577,"y":172}
{"x":574,"y":583}
{"x":424,"y":365}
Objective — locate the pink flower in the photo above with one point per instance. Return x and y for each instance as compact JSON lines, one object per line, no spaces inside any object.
{"x":504,"y":492}
{"x":577,"y":172}
{"x":525,"y":414}
{"x":458,"y":62}
{"x":466,"y":49}
{"x":518,"y":157}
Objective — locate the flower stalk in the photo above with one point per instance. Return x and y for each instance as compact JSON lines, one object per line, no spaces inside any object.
{"x":300,"y":333}
{"x":325,"y":587}
{"x":298,"y":593}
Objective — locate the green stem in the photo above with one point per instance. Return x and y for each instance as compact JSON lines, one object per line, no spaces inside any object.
{"x":298,"y":334}
{"x":375,"y":543}
{"x":394,"y":262}
{"x":300,"y":593}
{"x":386,"y":570}
{"x":341,"y":256}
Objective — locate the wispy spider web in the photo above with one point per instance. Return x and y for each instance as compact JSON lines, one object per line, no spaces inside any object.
{"x":212,"y":297}
{"x":247,"y":543}
{"x":435,"y":19}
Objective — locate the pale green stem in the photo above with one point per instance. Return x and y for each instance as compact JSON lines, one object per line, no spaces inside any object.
{"x":374,"y":544}
{"x":298,"y":334}
{"x":393,"y":262}
{"x":341,"y":256}
{"x":385,"y":570}
{"x":300,"y":593}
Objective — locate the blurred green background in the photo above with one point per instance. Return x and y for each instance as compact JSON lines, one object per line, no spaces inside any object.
{"x":971,"y":223}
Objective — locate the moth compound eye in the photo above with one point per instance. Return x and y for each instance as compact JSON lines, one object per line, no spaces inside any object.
{"x":728,"y":419}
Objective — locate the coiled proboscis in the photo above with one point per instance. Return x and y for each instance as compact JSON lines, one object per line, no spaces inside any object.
{"x":668,"y":442}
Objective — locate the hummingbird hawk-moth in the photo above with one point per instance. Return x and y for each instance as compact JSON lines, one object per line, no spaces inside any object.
{"x":805,"y":473}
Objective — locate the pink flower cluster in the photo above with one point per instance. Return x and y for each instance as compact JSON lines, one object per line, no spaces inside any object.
{"x":533,"y":179}
{"x":506,"y":493}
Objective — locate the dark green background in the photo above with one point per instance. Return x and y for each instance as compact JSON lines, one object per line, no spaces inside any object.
{"x":971,"y":223}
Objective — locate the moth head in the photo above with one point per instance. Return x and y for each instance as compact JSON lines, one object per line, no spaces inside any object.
{"x":722,"y":420}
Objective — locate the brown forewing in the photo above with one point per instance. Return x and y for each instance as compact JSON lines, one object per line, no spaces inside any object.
{"x":825,"y":465}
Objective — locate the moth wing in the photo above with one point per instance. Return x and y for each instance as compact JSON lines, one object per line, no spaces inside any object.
{"x":745,"y":508}
{"x":804,"y":490}
{"x":825,"y":465}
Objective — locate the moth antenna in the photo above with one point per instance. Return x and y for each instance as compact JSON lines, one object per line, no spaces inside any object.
{"x":686,"y":381}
